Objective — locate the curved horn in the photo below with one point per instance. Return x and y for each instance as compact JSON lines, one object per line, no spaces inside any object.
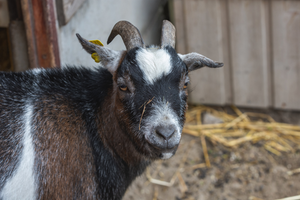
{"x":167,"y":34}
{"x":130,"y":34}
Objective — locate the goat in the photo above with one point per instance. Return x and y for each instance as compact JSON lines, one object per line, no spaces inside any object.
{"x":80,"y":133}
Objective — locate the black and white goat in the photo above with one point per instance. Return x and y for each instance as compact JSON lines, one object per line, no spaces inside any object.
{"x":77,"y":133}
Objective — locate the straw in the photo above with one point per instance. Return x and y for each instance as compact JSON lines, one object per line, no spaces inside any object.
{"x":291,"y":198}
{"x":241,"y":128}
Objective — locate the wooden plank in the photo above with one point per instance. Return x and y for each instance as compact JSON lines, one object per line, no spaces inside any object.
{"x":50,"y":19}
{"x":41,"y":37}
{"x":40,"y":25}
{"x":4,"y":15}
{"x":18,"y":46}
{"x":66,"y":9}
{"x":286,"y":53}
{"x":5,"y":62}
{"x":29,"y":28}
{"x":226,"y":52}
{"x":204,"y":23}
{"x":179,"y":22}
{"x":249,"y":52}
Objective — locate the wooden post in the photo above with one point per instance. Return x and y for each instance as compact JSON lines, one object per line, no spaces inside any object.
{"x":40,"y":25}
{"x":205,"y":32}
{"x":249,"y":52}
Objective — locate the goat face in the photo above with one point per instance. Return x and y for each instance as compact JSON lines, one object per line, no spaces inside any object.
{"x":150,"y":94}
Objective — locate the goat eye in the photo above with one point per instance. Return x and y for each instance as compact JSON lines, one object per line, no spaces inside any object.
{"x":123,"y":88}
{"x":185,"y":85}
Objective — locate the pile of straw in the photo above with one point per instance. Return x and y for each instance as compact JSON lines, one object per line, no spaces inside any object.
{"x":244,"y":127}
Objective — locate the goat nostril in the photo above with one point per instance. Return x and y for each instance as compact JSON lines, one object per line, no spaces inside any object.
{"x":166,"y":132}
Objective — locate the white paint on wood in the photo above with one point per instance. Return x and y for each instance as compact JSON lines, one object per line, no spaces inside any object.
{"x":286,"y":53}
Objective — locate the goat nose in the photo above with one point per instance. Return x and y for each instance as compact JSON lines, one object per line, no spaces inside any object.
{"x":166,"y":132}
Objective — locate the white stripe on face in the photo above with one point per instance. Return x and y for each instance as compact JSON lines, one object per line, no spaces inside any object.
{"x":154,"y":64}
{"x":22,"y":184}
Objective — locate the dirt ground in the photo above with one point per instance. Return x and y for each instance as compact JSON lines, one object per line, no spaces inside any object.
{"x":247,"y":173}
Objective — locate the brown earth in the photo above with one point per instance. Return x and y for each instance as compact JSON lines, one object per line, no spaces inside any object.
{"x":248,"y":172}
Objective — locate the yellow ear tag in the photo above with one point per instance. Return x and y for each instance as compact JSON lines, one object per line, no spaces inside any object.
{"x":95,"y":56}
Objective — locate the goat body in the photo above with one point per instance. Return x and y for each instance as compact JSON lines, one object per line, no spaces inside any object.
{"x":79,"y":133}
{"x":50,"y":136}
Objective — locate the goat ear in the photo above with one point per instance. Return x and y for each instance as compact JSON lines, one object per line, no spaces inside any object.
{"x":196,"y":61}
{"x":109,"y":59}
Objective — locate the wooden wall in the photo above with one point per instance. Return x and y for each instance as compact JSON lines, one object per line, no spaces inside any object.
{"x":259,"y":43}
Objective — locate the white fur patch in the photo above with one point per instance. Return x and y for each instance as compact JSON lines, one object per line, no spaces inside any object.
{"x":154,"y":64}
{"x":166,"y":156}
{"x":22,"y":184}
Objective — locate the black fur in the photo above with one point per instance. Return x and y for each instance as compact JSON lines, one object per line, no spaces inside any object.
{"x":166,"y":88}
{"x":85,"y":90}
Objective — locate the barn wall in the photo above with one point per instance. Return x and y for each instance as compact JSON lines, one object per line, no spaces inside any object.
{"x":259,"y":43}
